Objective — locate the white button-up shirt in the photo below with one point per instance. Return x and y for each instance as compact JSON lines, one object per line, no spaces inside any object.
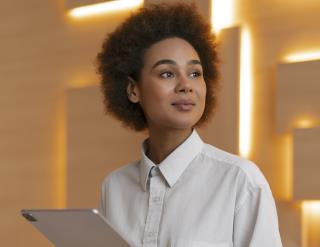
{"x":199,"y":196}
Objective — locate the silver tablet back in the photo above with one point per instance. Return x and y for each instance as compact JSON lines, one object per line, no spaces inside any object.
{"x":74,"y":227}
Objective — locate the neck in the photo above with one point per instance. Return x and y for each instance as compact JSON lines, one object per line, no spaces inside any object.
{"x":162,"y":142}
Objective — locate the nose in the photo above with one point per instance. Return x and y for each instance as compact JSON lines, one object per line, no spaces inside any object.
{"x":184,"y":85}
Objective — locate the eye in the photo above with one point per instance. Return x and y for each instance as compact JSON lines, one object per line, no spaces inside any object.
{"x":167,"y":74}
{"x":196,"y":74}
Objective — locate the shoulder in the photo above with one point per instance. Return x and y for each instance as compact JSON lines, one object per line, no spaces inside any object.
{"x":248,"y":172}
{"x":125,"y":172}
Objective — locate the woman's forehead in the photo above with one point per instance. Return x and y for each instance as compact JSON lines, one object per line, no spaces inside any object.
{"x":175,"y":51}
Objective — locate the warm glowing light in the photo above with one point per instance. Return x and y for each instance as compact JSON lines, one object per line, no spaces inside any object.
{"x":303,"y":56}
{"x":245,"y":120}
{"x":312,"y":207}
{"x":222,"y":14}
{"x":311,"y":223}
{"x":81,"y":79}
{"x":102,"y":8}
{"x":287,"y":151}
{"x":305,"y":122}
{"x":60,"y":168}
{"x":304,"y":228}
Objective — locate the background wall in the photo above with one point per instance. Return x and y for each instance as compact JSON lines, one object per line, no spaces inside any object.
{"x":47,"y":65}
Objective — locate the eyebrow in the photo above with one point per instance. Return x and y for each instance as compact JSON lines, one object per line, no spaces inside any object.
{"x":169,"y":61}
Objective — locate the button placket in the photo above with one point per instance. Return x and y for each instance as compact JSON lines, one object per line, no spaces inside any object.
{"x":156,"y":196}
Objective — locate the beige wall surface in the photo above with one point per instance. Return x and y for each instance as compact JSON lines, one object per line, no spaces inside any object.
{"x":298,"y":90}
{"x":45,"y":54}
{"x":96,"y":146}
{"x":279,"y":28}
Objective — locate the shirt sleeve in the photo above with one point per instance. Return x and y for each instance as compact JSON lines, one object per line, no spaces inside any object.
{"x":256,"y":220}
{"x":104,"y":196}
{"x":102,"y":205}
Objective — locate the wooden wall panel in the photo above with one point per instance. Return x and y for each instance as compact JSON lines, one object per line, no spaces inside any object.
{"x":203,"y":5}
{"x":290,"y":223}
{"x":223,"y":129}
{"x":97,"y":144}
{"x":306,"y":164}
{"x":298,"y":91}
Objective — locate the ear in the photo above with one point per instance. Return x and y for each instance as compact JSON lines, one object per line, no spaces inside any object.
{"x":133,"y":91}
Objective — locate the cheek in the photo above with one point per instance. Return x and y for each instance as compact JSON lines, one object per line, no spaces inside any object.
{"x":202,"y":91}
{"x":202,"y":96}
{"x":153,"y":96}
{"x":157,"y":93}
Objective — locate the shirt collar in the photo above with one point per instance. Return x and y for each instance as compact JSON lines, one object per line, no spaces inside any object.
{"x":175,"y":163}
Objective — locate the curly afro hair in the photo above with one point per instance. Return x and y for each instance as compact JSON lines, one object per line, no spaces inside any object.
{"x":123,"y":52}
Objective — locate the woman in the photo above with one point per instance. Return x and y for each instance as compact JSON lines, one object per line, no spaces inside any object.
{"x":159,"y":73}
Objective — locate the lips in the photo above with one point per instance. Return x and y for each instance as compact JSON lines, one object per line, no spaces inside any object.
{"x":184,"y":105}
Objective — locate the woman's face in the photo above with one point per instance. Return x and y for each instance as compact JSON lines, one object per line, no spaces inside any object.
{"x":171,"y":90}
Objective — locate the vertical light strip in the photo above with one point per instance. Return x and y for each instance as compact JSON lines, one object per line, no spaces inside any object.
{"x":311,"y":224}
{"x":287,"y":152}
{"x":222,"y":14}
{"x":102,"y":8}
{"x":60,"y":169}
{"x":245,"y":110}
{"x":304,"y":233}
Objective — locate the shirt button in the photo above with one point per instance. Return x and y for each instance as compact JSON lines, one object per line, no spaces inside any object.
{"x":156,"y":199}
{"x":151,"y":234}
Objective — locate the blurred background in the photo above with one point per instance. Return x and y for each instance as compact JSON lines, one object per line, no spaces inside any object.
{"x":57,"y":145}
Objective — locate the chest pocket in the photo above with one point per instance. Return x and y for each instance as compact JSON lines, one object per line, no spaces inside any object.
{"x":207,"y":244}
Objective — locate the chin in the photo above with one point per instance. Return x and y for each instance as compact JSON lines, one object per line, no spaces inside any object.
{"x":177,"y":122}
{"x":184,"y":125}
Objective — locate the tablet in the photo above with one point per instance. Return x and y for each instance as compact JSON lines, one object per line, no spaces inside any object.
{"x":74,"y":227}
